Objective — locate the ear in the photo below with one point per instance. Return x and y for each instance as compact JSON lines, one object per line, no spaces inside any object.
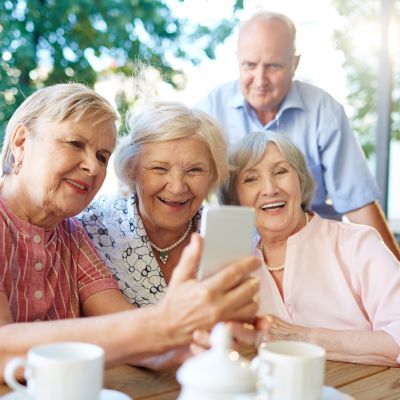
{"x":296,"y":60}
{"x":18,"y":141}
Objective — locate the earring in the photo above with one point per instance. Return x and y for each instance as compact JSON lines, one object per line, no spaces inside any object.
{"x":17,"y":167}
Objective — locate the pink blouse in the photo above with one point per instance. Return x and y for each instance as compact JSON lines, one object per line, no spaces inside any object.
{"x":338,"y":276}
{"x":48,"y":275}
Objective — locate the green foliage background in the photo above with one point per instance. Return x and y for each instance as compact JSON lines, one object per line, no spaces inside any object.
{"x":363,"y":70}
{"x":68,"y":34}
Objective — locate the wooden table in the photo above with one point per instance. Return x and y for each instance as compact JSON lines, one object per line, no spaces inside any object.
{"x":360,"y":381}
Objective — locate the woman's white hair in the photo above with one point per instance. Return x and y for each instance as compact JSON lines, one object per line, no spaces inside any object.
{"x":162,"y":121}
{"x":249,"y":151}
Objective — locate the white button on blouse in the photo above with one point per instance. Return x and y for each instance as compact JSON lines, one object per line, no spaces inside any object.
{"x":37,"y":239}
{"x":38,"y":266}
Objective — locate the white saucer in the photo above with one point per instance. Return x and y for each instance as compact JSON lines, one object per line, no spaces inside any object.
{"x":330,"y":393}
{"x":106,"y":394}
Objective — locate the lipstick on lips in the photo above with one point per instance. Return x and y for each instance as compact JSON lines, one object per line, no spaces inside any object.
{"x":79,"y":186}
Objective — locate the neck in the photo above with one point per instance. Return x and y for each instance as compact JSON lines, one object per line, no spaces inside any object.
{"x":164,"y":237}
{"x":20,"y":203}
{"x":266,"y":116}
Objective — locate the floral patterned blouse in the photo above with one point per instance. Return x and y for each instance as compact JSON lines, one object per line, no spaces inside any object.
{"x":117,"y":231}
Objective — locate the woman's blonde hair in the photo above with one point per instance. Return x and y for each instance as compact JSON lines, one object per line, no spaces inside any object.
{"x":162,"y":121}
{"x":57,"y":103}
{"x":249,"y":151}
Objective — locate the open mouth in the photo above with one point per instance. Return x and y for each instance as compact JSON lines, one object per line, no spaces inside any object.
{"x":77,"y":184}
{"x":172,"y":203}
{"x":273,"y":206}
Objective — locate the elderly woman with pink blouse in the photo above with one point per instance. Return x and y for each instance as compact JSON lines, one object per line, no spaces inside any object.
{"x":331,"y":283}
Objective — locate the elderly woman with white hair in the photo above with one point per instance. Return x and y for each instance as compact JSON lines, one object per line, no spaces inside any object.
{"x":332,"y":283}
{"x":172,"y":158}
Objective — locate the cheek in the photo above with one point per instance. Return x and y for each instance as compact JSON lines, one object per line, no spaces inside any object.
{"x":245,"y":78}
{"x":244,"y":196}
{"x":200,"y":187}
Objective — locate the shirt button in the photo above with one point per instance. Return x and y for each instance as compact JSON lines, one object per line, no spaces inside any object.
{"x":38,"y":266}
{"x":37,"y":239}
{"x":38,"y":294}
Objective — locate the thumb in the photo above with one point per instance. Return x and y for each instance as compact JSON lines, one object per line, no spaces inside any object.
{"x":263,"y":323}
{"x":188,"y":262}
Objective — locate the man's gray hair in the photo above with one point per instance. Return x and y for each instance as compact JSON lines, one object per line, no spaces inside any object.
{"x":249,"y":151}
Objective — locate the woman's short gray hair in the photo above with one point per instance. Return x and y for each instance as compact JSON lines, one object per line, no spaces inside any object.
{"x":249,"y":151}
{"x":57,"y":103}
{"x":162,"y":121}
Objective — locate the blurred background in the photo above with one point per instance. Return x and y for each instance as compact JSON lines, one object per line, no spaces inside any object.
{"x":132,"y":50}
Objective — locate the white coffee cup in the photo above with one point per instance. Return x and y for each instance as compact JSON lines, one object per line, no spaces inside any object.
{"x":59,"y":371}
{"x":290,"y":370}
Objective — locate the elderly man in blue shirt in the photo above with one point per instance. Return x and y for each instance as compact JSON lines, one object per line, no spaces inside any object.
{"x":265,"y":97}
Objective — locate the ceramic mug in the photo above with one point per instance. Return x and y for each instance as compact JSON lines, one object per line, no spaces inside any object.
{"x":59,"y":371}
{"x":290,"y":370}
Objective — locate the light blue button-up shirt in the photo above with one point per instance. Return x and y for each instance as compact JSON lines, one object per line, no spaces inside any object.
{"x":318,"y":126}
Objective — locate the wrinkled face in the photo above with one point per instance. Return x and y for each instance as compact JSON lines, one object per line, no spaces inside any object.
{"x":266,"y":64}
{"x":173,"y":178}
{"x":64,"y":164}
{"x":272,"y":187}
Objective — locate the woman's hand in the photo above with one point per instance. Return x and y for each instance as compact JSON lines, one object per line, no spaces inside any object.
{"x":269,"y":327}
{"x":189,"y":304}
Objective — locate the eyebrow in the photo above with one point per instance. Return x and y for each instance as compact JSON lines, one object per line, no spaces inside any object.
{"x":276,"y":164}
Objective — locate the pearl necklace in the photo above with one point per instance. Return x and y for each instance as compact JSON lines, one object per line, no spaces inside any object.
{"x":282,"y":266}
{"x":164,"y":253}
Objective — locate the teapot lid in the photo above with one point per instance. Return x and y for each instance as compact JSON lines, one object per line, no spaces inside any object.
{"x":219,"y":368}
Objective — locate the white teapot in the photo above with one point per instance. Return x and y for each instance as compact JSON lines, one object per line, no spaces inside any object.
{"x":218,"y":373}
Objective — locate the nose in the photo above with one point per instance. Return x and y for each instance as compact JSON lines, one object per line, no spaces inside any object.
{"x":269,"y":187}
{"x":90,"y":165}
{"x":176,"y":182}
{"x":261,"y":75}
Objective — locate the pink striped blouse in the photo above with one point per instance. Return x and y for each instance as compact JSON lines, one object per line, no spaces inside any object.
{"x":48,"y":275}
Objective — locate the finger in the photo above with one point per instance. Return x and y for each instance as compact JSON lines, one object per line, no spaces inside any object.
{"x":188,"y":262}
{"x":201,"y":338}
{"x":233,"y":274}
{"x":264,"y":322}
{"x":196,"y":349}
{"x":245,"y":313}
{"x":244,"y":333}
{"x":242,"y":295}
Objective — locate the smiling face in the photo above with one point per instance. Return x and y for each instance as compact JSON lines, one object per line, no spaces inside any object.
{"x":272,"y":187}
{"x":266,"y":64}
{"x":173,"y":178}
{"x":64,"y":166}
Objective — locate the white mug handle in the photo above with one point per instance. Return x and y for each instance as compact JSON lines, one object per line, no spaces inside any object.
{"x":9,"y":373}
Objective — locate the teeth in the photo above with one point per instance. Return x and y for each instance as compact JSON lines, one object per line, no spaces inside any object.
{"x":273,"y":205}
{"x":173,"y":202}
{"x":76,"y":184}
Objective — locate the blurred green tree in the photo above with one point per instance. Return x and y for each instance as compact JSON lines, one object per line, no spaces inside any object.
{"x":43,"y":42}
{"x":359,"y":40}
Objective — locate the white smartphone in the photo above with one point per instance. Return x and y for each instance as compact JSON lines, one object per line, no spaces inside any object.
{"x":227,"y":232}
